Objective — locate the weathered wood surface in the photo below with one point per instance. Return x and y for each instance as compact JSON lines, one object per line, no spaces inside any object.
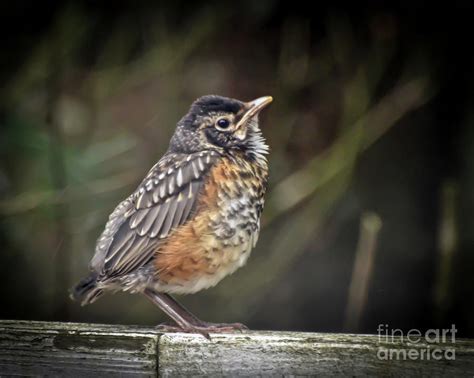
{"x":72,"y":349}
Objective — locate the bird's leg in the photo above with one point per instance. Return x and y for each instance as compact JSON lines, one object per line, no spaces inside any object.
{"x":185,"y":320}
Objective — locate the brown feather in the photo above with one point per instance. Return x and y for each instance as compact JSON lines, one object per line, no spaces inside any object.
{"x":157,"y":213}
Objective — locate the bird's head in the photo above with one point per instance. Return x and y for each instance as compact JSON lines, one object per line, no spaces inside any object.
{"x":223,"y":124}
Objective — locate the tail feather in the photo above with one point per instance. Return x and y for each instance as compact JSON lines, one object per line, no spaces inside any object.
{"x":86,"y":291}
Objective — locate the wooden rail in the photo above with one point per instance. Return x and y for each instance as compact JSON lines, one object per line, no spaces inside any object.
{"x":93,"y":350}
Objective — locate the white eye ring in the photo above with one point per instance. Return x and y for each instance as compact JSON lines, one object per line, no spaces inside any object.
{"x":222,"y":124}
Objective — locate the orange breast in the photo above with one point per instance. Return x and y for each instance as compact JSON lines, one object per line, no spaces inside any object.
{"x":188,"y":251}
{"x":193,"y":254}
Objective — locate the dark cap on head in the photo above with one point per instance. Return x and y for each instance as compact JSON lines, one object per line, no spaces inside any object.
{"x":214,"y":103}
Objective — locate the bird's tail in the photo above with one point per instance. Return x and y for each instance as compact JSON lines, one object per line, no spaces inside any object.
{"x":86,"y":291}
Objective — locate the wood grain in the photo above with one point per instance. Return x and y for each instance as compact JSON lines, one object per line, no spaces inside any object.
{"x":73,"y":349}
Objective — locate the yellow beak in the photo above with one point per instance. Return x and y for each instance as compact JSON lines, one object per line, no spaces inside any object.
{"x":253,"y":108}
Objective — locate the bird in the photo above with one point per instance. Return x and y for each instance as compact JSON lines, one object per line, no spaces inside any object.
{"x":194,"y":218}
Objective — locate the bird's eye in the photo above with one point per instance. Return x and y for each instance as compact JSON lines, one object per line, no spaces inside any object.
{"x":223,"y":123}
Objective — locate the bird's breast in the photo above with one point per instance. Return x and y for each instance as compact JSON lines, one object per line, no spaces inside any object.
{"x":218,"y":239}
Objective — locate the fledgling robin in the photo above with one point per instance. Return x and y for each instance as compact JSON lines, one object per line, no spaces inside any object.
{"x":194,"y":218}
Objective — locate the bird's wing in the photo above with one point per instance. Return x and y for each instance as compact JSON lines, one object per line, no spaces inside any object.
{"x":164,"y":200}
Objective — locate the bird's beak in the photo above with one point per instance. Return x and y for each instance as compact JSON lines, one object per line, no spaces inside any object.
{"x":253,"y":108}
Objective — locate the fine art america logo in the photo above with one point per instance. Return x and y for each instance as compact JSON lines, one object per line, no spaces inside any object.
{"x":433,"y":344}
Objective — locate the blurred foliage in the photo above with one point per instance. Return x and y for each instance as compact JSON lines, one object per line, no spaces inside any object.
{"x":363,"y":121}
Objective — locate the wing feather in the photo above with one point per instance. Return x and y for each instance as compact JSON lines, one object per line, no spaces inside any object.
{"x":122,"y":244}
{"x":150,"y":217}
{"x":157,"y":226}
{"x":180,"y":206}
{"x":137,"y":218}
{"x":163,"y":201}
{"x":193,"y":189}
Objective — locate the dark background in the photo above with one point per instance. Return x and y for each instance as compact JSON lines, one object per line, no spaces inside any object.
{"x":368,"y":218}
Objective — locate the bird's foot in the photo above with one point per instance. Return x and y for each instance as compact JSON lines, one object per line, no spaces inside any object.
{"x":203,"y":328}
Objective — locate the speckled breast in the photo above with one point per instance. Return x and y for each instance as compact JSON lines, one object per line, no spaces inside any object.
{"x":219,"y":238}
